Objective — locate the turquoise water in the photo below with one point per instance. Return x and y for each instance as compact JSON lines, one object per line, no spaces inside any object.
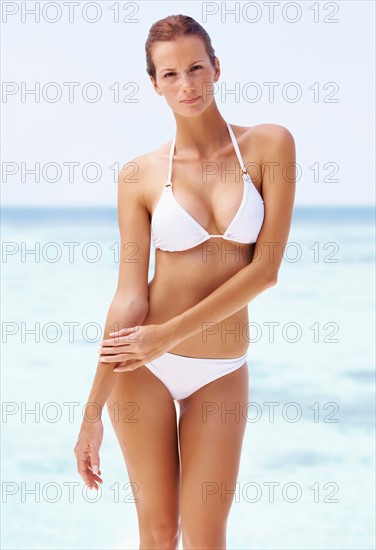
{"x":317,"y":368}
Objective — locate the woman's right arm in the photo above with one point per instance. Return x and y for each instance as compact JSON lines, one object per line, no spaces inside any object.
{"x":129,"y":307}
{"x":122,"y":313}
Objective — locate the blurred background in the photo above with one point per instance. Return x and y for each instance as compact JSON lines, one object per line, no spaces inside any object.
{"x":77,"y":104}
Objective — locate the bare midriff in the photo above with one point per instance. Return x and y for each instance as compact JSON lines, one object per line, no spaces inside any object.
{"x":182,"y":279}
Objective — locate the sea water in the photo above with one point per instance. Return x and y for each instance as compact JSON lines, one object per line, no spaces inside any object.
{"x":306,"y":478}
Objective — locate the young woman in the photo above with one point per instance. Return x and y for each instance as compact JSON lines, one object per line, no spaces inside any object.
{"x":217,"y":202}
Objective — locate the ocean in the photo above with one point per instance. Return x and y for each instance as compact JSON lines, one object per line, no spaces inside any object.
{"x":307,"y":473}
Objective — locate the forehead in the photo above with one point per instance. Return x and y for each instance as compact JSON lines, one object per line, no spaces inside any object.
{"x":181,"y":51}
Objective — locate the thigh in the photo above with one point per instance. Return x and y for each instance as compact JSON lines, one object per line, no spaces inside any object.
{"x":143,"y":415}
{"x":211,"y":431}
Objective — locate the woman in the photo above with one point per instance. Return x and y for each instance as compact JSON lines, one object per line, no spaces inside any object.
{"x":218,"y":200}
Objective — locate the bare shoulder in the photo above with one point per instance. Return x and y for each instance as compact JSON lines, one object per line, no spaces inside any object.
{"x":274,"y":138}
{"x":140,"y":167}
{"x":266,"y":136}
{"x":146,"y":172}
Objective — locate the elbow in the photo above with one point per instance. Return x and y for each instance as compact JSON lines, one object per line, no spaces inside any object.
{"x":140,"y":304}
{"x":136,"y":302}
{"x":271,"y":279}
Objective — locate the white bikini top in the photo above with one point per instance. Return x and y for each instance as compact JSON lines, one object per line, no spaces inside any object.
{"x":173,"y":229}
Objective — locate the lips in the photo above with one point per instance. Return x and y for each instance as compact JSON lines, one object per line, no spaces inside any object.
{"x":190,"y":100}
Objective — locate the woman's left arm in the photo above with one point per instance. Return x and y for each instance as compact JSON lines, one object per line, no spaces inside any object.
{"x":279,"y":175}
{"x":279,"y":182}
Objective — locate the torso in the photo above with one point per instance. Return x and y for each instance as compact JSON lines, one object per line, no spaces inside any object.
{"x":184,"y":278}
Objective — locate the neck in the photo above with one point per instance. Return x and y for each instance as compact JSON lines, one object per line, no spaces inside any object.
{"x":201,"y":135}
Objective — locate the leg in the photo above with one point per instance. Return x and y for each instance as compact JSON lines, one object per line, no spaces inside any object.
{"x":146,"y":429}
{"x":211,"y":438}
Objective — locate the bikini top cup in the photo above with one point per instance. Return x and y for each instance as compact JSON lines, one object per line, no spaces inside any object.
{"x":173,"y":229}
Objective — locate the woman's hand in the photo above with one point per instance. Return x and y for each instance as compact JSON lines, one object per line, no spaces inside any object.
{"x":133,"y":347}
{"x":87,"y":452}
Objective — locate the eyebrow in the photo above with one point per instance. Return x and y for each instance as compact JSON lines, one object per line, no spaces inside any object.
{"x":194,"y":63}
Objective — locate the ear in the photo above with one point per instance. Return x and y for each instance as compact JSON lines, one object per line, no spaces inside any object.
{"x":217,"y":69}
{"x":155,"y":85}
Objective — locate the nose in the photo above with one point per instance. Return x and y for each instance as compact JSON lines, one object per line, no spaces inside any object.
{"x":187,"y":83}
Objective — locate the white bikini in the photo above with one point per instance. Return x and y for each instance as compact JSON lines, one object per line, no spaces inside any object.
{"x":174,"y":229}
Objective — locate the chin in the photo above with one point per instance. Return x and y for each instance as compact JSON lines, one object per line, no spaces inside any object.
{"x":190,"y":111}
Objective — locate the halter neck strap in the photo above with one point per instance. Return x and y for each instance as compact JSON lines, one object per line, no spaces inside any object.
{"x":234,"y":142}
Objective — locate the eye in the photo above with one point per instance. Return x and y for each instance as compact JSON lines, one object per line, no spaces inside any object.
{"x":197,"y":67}
{"x":168,"y":74}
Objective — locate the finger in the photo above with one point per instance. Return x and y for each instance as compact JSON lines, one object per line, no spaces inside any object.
{"x":111,"y":351}
{"x":95,"y":479}
{"x":119,"y":339}
{"x":82,"y":467}
{"x":123,"y":331}
{"x":95,"y":460}
{"x":116,"y":358}
{"x":113,"y":358}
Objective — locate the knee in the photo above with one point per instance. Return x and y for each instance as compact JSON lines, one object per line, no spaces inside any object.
{"x":205,"y":539}
{"x":161,"y":535}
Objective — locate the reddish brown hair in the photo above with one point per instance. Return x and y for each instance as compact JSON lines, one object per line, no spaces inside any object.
{"x":171,"y":28}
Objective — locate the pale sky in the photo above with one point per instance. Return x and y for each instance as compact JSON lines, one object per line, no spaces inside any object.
{"x":326,"y":60}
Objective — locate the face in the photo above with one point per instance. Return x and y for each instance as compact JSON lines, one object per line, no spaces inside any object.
{"x":183,"y":73}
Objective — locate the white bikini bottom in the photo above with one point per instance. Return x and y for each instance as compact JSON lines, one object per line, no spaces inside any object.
{"x":184,"y":375}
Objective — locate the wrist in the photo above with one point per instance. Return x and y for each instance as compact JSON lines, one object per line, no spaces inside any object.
{"x":174,"y":328}
{"x":92,"y":411}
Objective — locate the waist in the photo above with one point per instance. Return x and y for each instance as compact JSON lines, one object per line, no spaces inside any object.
{"x":225,"y":339}
{"x":209,"y":359}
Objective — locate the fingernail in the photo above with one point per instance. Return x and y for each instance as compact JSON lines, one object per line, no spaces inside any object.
{"x":112,"y":333}
{"x":95,"y":469}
